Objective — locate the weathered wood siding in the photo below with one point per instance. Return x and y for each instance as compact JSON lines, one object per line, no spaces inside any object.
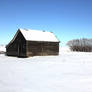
{"x":35,"y":48}
{"x":17,"y":47}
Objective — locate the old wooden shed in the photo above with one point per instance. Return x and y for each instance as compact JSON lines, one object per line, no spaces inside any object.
{"x":28,"y":43}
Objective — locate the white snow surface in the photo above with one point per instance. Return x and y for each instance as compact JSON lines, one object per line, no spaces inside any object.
{"x":2,"y":48}
{"x":68,"y":72}
{"x":37,"y":35}
{"x":64,"y":49}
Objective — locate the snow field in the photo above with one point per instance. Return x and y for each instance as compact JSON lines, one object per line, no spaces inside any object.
{"x":68,"y":72}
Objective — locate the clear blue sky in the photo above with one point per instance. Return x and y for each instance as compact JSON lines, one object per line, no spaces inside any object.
{"x":68,"y":19}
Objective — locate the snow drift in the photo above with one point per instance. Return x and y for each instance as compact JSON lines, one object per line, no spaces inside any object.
{"x":2,"y":49}
{"x":68,"y":72}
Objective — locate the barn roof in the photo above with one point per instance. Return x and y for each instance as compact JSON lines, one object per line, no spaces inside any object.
{"x":37,"y":35}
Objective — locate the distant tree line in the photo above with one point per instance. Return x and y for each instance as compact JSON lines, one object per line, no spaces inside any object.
{"x":84,"y":45}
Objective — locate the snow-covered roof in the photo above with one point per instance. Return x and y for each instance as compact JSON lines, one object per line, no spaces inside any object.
{"x":37,"y":35}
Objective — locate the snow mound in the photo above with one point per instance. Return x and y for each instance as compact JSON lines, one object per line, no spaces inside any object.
{"x":64,"y":49}
{"x":2,"y":49}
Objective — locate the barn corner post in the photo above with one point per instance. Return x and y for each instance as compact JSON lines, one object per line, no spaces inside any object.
{"x":27,"y":49}
{"x":19,"y":48}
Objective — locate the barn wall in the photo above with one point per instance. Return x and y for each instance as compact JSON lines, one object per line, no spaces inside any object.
{"x":18,"y":47}
{"x":42,"y":48}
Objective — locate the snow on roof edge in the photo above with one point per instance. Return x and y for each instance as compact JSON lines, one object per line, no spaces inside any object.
{"x":39,"y":35}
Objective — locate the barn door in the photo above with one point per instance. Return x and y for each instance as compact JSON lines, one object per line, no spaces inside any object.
{"x":20,"y":50}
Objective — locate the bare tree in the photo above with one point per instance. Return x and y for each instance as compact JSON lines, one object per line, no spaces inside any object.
{"x":84,"y":45}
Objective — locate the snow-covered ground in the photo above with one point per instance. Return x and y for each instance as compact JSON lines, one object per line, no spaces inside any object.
{"x":68,"y":72}
{"x":2,"y":48}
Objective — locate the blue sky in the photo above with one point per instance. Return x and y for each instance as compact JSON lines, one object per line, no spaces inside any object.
{"x":68,"y":19}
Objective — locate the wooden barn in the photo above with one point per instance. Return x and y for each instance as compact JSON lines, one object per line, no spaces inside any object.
{"x":28,"y":43}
